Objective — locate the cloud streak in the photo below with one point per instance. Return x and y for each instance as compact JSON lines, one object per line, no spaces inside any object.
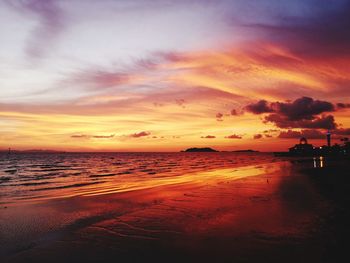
{"x":208,"y":137}
{"x":233,"y":136}
{"x":140,"y":134}
{"x":49,"y":26}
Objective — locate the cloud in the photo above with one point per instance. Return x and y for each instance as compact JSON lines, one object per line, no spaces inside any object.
{"x":51,"y":24}
{"x":85,"y":136}
{"x":270,"y":131}
{"x":302,"y":108}
{"x":219,"y":116}
{"x":234,"y":136}
{"x":79,"y":136}
{"x":234,"y":112}
{"x":257,"y":136}
{"x":104,"y":79}
{"x":313,"y":134}
{"x":139,"y":134}
{"x":180,"y":102}
{"x":343,"y":105}
{"x":208,"y":137}
{"x":342,"y":131}
{"x":323,"y":122}
{"x":318,"y":34}
{"x":262,"y":106}
{"x":301,"y":113}
{"x":103,"y":136}
{"x":100,"y":79}
{"x":156,"y":104}
{"x":309,"y":134}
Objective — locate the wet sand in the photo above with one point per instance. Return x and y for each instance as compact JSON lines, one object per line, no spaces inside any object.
{"x":277,"y":212}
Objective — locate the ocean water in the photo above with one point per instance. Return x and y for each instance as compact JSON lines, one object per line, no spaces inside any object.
{"x":36,"y":176}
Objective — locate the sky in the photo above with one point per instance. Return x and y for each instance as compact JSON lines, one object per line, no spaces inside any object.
{"x":152,"y":75}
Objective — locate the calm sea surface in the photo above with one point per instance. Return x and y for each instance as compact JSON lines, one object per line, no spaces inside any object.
{"x":34,"y":176}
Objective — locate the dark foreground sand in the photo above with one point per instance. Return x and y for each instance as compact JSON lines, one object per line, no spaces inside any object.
{"x":281,"y":212}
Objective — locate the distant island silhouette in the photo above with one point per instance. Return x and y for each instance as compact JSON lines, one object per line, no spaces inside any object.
{"x":208,"y":149}
{"x":205,"y":149}
{"x":30,"y":151}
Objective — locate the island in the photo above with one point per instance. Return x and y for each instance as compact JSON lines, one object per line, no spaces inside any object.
{"x":205,"y":149}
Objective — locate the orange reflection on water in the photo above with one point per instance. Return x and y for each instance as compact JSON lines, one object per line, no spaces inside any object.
{"x":123,"y":184}
{"x":192,"y":178}
{"x":318,"y":162}
{"x":249,"y":204}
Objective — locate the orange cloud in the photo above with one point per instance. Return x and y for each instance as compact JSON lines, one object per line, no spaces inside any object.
{"x":207,"y":85}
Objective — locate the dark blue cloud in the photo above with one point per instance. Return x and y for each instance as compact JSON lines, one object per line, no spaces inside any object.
{"x":322,"y":29}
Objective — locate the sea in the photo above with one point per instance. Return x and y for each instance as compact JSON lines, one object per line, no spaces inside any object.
{"x":30,"y":177}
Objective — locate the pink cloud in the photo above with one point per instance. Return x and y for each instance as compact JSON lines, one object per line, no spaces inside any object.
{"x":257,"y":136}
{"x":140,"y":134}
{"x":79,"y":136}
{"x":208,"y":137}
{"x":103,"y":136}
{"x":234,"y":136}
{"x":219,"y":116}
{"x":51,"y":24}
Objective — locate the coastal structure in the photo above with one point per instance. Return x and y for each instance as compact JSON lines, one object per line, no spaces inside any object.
{"x":303,"y":148}
{"x":329,"y":138}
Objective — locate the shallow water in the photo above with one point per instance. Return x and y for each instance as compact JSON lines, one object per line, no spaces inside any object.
{"x":193,"y":206}
{"x":37,"y":176}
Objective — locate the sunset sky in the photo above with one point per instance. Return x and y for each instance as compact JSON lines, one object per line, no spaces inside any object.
{"x":152,"y":75}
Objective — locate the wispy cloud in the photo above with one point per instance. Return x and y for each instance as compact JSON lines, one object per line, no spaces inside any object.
{"x":140,"y":134}
{"x":234,"y":136}
{"x":208,"y":137}
{"x":50,"y":23}
{"x":257,"y":136}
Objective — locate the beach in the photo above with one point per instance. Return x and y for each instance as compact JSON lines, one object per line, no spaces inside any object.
{"x":269,"y":210}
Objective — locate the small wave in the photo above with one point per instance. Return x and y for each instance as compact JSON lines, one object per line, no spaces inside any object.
{"x":75,"y":174}
{"x":55,"y":169}
{"x":41,"y":176}
{"x":36,"y":183}
{"x":118,"y":163}
{"x":102,"y":175}
{"x":146,"y":170}
{"x":125,"y":172}
{"x":66,"y":186}
{"x":11,"y":171}
{"x":4,"y":179}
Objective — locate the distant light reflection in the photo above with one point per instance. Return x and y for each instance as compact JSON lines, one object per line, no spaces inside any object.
{"x":318,"y":162}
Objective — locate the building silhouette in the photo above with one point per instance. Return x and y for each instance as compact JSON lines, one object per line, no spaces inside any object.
{"x":303,"y":148}
{"x":329,"y":138}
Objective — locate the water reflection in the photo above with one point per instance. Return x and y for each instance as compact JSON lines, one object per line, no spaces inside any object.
{"x":33,"y":176}
{"x":318,"y":162}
